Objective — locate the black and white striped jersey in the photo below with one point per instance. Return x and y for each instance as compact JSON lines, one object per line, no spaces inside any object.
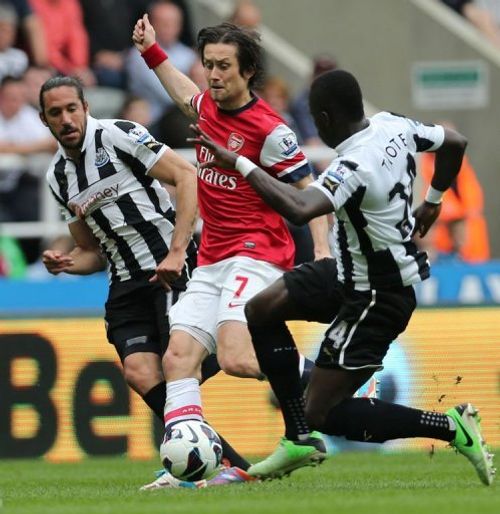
{"x":370,"y":184}
{"x":128,"y":211}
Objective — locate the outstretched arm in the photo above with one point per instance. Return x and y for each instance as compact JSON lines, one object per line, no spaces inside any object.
{"x":180,"y":87}
{"x":84,"y":259}
{"x":447,"y":165}
{"x":297,"y":205}
{"x":318,"y":227}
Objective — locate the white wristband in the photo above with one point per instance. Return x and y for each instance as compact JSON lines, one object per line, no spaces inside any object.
{"x":434,"y":196}
{"x":244,"y":165}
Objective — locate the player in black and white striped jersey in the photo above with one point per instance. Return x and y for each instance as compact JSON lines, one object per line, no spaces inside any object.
{"x":110,"y":188}
{"x":106,"y":178}
{"x":369,"y":300}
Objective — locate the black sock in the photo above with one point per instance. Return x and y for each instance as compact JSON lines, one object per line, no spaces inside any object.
{"x":230,"y":457}
{"x":375,"y":421}
{"x":209,"y":368}
{"x":279,"y":361}
{"x":305,"y":374}
{"x":155,"y":399}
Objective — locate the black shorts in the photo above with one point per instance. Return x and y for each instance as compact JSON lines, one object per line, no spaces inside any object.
{"x":362,"y":323}
{"x":137,"y":316}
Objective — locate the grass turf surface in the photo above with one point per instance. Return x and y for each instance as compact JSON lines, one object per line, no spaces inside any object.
{"x":347,"y":483}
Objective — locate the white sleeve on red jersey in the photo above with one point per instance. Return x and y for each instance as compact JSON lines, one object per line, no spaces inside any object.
{"x":196,"y":102}
{"x":282,"y":155}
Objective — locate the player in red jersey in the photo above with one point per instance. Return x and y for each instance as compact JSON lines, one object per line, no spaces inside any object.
{"x":245,"y":245}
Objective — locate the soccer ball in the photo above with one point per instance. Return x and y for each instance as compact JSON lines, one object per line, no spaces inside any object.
{"x":191,"y":451}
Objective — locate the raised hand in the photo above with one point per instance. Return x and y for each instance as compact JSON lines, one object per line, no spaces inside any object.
{"x":221,"y":157}
{"x":144,"y":34}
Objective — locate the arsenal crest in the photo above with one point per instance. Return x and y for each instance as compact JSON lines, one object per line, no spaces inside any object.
{"x":235,"y":142}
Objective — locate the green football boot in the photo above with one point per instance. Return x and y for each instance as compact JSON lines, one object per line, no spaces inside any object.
{"x":469,"y":441}
{"x":290,"y":455}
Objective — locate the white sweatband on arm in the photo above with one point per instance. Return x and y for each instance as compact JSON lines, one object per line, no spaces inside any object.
{"x":244,"y":165}
{"x":434,"y":196}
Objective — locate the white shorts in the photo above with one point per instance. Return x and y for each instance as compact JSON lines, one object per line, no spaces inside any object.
{"x":218,"y":293}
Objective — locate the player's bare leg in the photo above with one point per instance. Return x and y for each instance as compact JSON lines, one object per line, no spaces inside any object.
{"x":183,"y":357}
{"x":142,"y":371}
{"x":235,"y":351}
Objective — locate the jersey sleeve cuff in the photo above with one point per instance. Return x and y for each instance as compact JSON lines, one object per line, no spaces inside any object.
{"x":157,"y":157}
{"x":325,"y":191}
{"x":439,"y":139}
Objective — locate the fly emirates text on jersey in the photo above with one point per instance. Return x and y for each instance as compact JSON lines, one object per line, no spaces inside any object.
{"x":213,"y":176}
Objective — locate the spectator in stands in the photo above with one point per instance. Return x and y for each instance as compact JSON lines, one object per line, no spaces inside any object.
{"x":136,"y":109}
{"x":186,"y":36}
{"x":33,"y":78}
{"x":110,"y":41}
{"x":276,"y":93}
{"x":66,"y":38}
{"x":13,"y":61}
{"x":246,"y":14}
{"x":461,"y":229}
{"x":23,"y":133}
{"x":31,"y":34}
{"x":492,"y":7}
{"x":166,"y":18}
{"x":479,"y":16}
{"x":300,"y":105}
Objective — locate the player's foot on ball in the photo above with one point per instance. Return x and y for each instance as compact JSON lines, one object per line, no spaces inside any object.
{"x":165,"y":480}
{"x":291,"y":455}
{"x":227,"y":476}
{"x":469,"y":441}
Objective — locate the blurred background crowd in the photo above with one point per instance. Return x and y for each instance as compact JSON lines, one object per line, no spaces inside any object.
{"x":92,"y":39}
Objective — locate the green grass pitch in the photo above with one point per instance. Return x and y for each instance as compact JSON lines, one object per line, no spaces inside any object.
{"x":354,"y":483}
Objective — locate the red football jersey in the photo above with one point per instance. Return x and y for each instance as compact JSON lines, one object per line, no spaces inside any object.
{"x":236,"y":221}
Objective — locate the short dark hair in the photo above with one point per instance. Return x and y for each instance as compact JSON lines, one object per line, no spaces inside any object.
{"x":337,"y":91}
{"x":59,"y":82}
{"x":10,"y":79}
{"x":247,"y":43}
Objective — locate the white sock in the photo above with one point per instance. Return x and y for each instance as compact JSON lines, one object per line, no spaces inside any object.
{"x":183,"y":401}
{"x":302,"y":363}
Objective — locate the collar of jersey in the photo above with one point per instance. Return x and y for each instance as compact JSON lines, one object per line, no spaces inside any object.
{"x":233,"y":112}
{"x":89,"y":136}
{"x":354,"y":139}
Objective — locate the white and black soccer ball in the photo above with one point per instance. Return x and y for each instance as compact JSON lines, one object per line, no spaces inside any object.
{"x":191,"y":450}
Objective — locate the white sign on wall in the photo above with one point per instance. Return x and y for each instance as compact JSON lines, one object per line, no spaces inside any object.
{"x":450,"y":85}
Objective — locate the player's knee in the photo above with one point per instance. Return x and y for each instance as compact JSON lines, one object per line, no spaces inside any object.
{"x":140,"y":377}
{"x":251,"y":312}
{"x":243,"y":366}
{"x":179,"y":363}
{"x":258,"y":312}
